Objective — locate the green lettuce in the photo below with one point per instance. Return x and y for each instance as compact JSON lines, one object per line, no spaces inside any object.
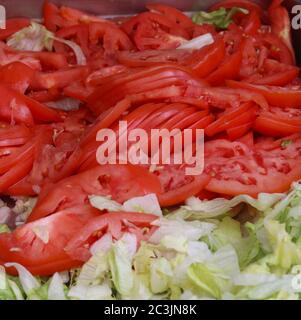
{"x":220,"y":18}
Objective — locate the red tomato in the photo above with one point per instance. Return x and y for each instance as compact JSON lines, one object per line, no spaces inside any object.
{"x":77,"y":33}
{"x":204,"y":61}
{"x":115,"y":223}
{"x":122,"y":182}
{"x":14,"y":135}
{"x":278,"y":122}
{"x":281,"y":24}
{"x":237,"y":169}
{"x":51,"y":15}
{"x":228,"y":69}
{"x":22,"y":188}
{"x":235,"y":133}
{"x":276,"y":96}
{"x":58,"y":79}
{"x":223,"y":98}
{"x":177,"y":187}
{"x":171,"y":13}
{"x":138,"y":83}
{"x":252,"y":23}
{"x":112,"y":38}
{"x":249,"y":5}
{"x":231,"y":118}
{"x":13,"y":26}
{"x":277,"y":49}
{"x":274,"y":73}
{"x":17,"y":75}
{"x":154,"y":57}
{"x":49,"y":60}
{"x":43,"y":96}
{"x":40,"y":244}
{"x":146,"y":26}
{"x":274,"y":128}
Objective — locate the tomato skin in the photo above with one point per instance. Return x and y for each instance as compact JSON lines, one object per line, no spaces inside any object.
{"x":277,"y":96}
{"x":275,"y":128}
{"x":281,"y":24}
{"x":207,"y":59}
{"x":253,"y":23}
{"x":277,"y":79}
{"x":49,"y":60}
{"x":228,"y":69}
{"x":122,"y":182}
{"x":51,"y":16}
{"x":14,"y":135}
{"x":237,"y":132}
{"x":81,"y":35}
{"x":16,"y":75}
{"x":58,"y":79}
{"x":42,"y":258}
{"x":21,"y":188}
{"x":232,"y":118}
{"x":114,"y":39}
{"x":171,"y":13}
{"x":249,"y":5}
{"x":277,"y":49}
{"x":12,"y":26}
{"x":137,"y":85}
{"x":15,"y":174}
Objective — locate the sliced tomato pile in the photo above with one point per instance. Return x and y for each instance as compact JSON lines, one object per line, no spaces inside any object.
{"x":243,"y":89}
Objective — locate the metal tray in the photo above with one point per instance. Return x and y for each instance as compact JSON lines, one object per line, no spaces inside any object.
{"x":33,"y":9}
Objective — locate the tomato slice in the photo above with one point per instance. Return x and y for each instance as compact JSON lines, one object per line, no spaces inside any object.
{"x":178,"y":187}
{"x":281,"y":24}
{"x":77,"y":33}
{"x":49,"y":60}
{"x":237,"y":132}
{"x":58,"y":79}
{"x":204,"y":61}
{"x":232,"y":118}
{"x":171,"y":13}
{"x":153,"y":57}
{"x":17,"y":75}
{"x":122,"y":182}
{"x":249,"y":5}
{"x":276,"y":96}
{"x":115,"y":223}
{"x":228,"y":69}
{"x":21,"y":188}
{"x":237,"y":169}
{"x":112,"y":38}
{"x":274,"y":74}
{"x":39,"y":245}
{"x":149,"y":24}
{"x":14,"y":135}
{"x":52,"y":18}
{"x":275,"y":128}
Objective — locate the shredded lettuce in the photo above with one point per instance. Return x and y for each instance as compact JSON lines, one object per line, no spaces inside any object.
{"x":37,"y":38}
{"x":220,"y":18}
{"x":4,"y":228}
{"x":144,"y":204}
{"x":187,"y":257}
